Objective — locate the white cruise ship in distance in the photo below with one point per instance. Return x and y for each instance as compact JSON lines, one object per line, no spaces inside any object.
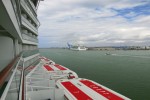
{"x":24,"y":75}
{"x":77,"y":47}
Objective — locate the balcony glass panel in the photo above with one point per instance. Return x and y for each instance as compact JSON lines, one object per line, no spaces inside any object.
{"x":30,"y":53}
{"x":26,"y":23}
{"x":29,"y":38}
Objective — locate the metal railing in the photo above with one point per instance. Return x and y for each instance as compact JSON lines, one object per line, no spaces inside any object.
{"x":32,"y":5}
{"x":13,"y":77}
{"x":28,"y":10}
{"x":6,"y":71}
{"x":26,"y":23}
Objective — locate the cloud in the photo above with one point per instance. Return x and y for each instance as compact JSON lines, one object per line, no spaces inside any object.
{"x":93,"y":22}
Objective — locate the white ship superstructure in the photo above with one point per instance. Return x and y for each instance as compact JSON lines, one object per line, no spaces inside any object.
{"x":77,"y":47}
{"x":18,"y":41}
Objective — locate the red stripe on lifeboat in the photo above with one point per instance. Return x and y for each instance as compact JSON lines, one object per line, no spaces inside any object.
{"x":76,"y":92}
{"x":48,"y":68}
{"x":60,"y":67}
{"x":107,"y":94}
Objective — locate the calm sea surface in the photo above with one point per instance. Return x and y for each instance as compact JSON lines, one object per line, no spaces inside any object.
{"x":127,"y":72}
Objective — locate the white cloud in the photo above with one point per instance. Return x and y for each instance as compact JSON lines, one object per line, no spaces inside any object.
{"x":90,"y":22}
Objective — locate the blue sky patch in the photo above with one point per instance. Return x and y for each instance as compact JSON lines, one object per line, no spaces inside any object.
{"x":130,"y":13}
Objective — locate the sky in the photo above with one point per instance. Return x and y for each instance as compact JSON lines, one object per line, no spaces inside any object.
{"x":94,"y":23}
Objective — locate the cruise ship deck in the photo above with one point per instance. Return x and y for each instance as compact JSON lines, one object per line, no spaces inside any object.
{"x":64,"y":84}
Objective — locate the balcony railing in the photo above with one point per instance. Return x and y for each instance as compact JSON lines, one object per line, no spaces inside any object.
{"x":32,"y":5}
{"x":29,"y":38}
{"x":12,"y":78}
{"x":27,"y":24}
{"x":13,"y":73}
{"x":17,"y":10}
{"x":28,"y":10}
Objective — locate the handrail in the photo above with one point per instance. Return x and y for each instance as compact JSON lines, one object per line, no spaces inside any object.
{"x":5,"y":92}
{"x":6,"y":71}
{"x":11,"y":69}
{"x":23,"y":88}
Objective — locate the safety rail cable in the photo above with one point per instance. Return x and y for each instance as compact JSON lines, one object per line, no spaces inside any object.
{"x":5,"y":92}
